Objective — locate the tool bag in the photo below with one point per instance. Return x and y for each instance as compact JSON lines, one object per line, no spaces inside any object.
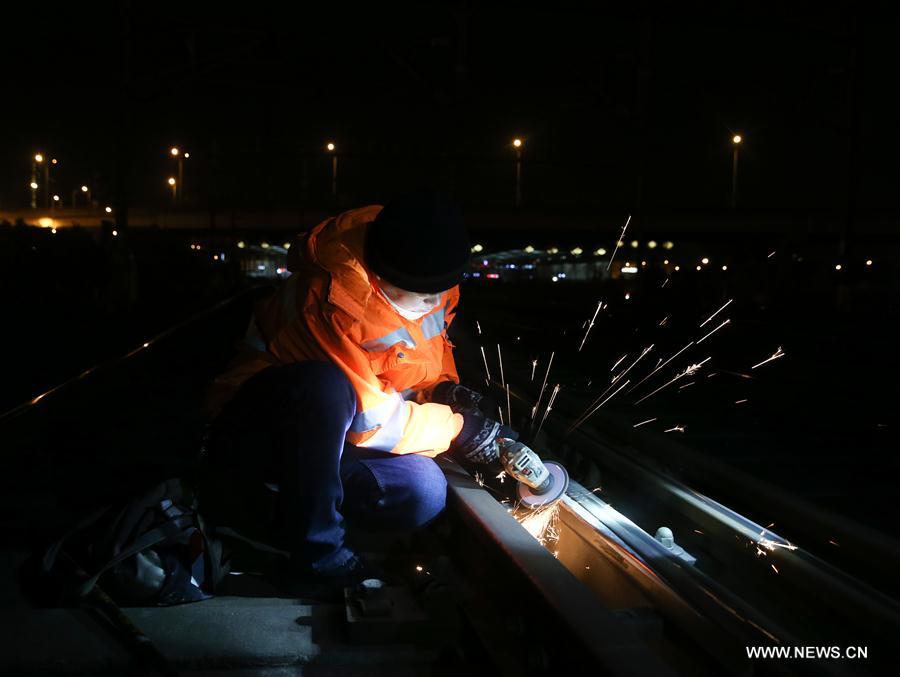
{"x":153,"y":550}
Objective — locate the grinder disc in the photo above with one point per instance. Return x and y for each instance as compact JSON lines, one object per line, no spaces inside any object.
{"x":560,"y":483}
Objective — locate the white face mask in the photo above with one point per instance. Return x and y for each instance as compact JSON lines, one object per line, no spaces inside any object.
{"x":411,"y":314}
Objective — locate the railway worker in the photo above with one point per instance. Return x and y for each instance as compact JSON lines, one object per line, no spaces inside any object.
{"x":345,"y":388}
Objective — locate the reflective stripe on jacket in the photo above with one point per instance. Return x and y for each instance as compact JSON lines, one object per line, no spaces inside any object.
{"x":328,"y":309}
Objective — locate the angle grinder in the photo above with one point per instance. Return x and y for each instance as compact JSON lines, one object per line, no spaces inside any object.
{"x":540,"y":484}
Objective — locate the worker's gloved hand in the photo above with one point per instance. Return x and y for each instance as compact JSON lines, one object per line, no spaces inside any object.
{"x":478,"y":439}
{"x":457,"y":397}
{"x":462,"y":399}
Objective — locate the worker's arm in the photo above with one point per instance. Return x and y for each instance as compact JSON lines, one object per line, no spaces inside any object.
{"x":448,"y":373}
{"x":384,"y":420}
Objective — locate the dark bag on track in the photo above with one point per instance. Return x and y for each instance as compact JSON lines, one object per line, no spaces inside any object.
{"x":153,"y":550}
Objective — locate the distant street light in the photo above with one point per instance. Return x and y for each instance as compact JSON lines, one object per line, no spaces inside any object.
{"x":108,"y":210}
{"x":331,"y":148}
{"x":178,"y":190}
{"x":736,"y":141}
{"x":39,"y":160}
{"x":172,"y":182}
{"x":517,"y":144}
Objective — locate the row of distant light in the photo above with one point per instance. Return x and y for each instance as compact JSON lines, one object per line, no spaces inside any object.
{"x":578,"y":251}
{"x":265,"y":245}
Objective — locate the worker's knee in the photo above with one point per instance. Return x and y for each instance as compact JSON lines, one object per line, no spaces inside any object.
{"x":425,"y":493}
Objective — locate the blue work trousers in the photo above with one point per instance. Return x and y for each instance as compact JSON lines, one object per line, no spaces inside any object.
{"x":286,"y":427}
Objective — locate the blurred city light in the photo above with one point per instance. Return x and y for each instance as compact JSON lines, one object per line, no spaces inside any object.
{"x":668,"y":244}
{"x":529,"y":249}
{"x":704,"y":260}
{"x":38,"y":158}
{"x":477,"y":248}
{"x":84,"y":189}
{"x":329,"y":146}
{"x":108,"y":210}
{"x":736,"y":139}
{"x":577,"y":251}
{"x":171,"y":181}
{"x":517,"y":143}
{"x":174,"y":151}
{"x":651,"y":244}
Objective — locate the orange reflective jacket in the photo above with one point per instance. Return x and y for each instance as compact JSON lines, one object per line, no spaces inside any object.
{"x":329,"y":309}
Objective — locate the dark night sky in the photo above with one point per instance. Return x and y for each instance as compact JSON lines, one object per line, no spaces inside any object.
{"x":603,"y":95}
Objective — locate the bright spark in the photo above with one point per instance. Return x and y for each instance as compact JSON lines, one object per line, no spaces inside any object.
{"x":486,"y":369}
{"x":663,"y":321}
{"x":500,"y":358}
{"x":665,"y":283}
{"x":590,"y":326}
{"x":501,"y":476}
{"x":542,"y":523}
{"x":541,"y":394}
{"x":615,"y":380}
{"x":660,"y":366}
{"x":728,"y":321}
{"x":618,"y":241}
{"x":586,"y":416}
{"x":619,"y":362}
{"x":549,"y":408}
{"x":638,"y":425}
{"x":776,"y":355}
{"x":716,"y":313}
{"x":690,"y":371}
{"x":533,"y":368}
{"x":478,"y":324}
{"x":739,"y":401}
{"x":771,"y":255}
{"x":675,"y":429}
{"x":686,"y":385}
